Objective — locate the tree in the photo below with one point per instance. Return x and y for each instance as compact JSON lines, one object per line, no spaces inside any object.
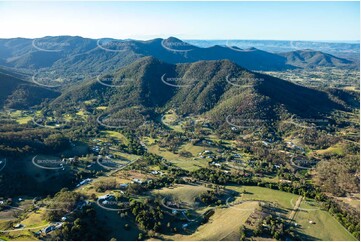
{"x":242,"y":231}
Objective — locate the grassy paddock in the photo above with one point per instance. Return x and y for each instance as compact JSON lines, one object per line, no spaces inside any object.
{"x":223,"y":225}
{"x":325,"y":226}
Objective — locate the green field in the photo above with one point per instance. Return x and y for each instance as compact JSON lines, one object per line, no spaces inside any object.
{"x":223,"y":225}
{"x":337,"y":149}
{"x":266,"y":194}
{"x":170,"y":119}
{"x":115,"y":135}
{"x":32,"y":222}
{"x":325,"y":226}
{"x":182,"y":162}
{"x":21,"y":117}
{"x":185,"y":193}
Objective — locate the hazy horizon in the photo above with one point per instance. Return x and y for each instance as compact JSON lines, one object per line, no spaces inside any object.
{"x":191,"y":39}
{"x":301,"y":21}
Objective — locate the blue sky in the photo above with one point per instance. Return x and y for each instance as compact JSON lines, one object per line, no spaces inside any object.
{"x":185,"y":20}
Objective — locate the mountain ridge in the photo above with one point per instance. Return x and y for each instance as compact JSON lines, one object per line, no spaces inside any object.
{"x":17,"y":93}
{"x":310,"y":59}
{"x":214,"y":89}
{"x":61,"y":53}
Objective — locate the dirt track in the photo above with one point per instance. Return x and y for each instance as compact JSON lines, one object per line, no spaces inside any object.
{"x":295,"y":208}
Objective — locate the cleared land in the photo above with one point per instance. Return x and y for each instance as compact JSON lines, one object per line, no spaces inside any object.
{"x":324,"y":226}
{"x":223,"y":225}
{"x":185,"y":193}
{"x":182,"y":162}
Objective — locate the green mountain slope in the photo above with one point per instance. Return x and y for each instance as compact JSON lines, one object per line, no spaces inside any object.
{"x":72,"y":55}
{"x":311,"y":59}
{"x":215,"y":89}
{"x":16,"y":93}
